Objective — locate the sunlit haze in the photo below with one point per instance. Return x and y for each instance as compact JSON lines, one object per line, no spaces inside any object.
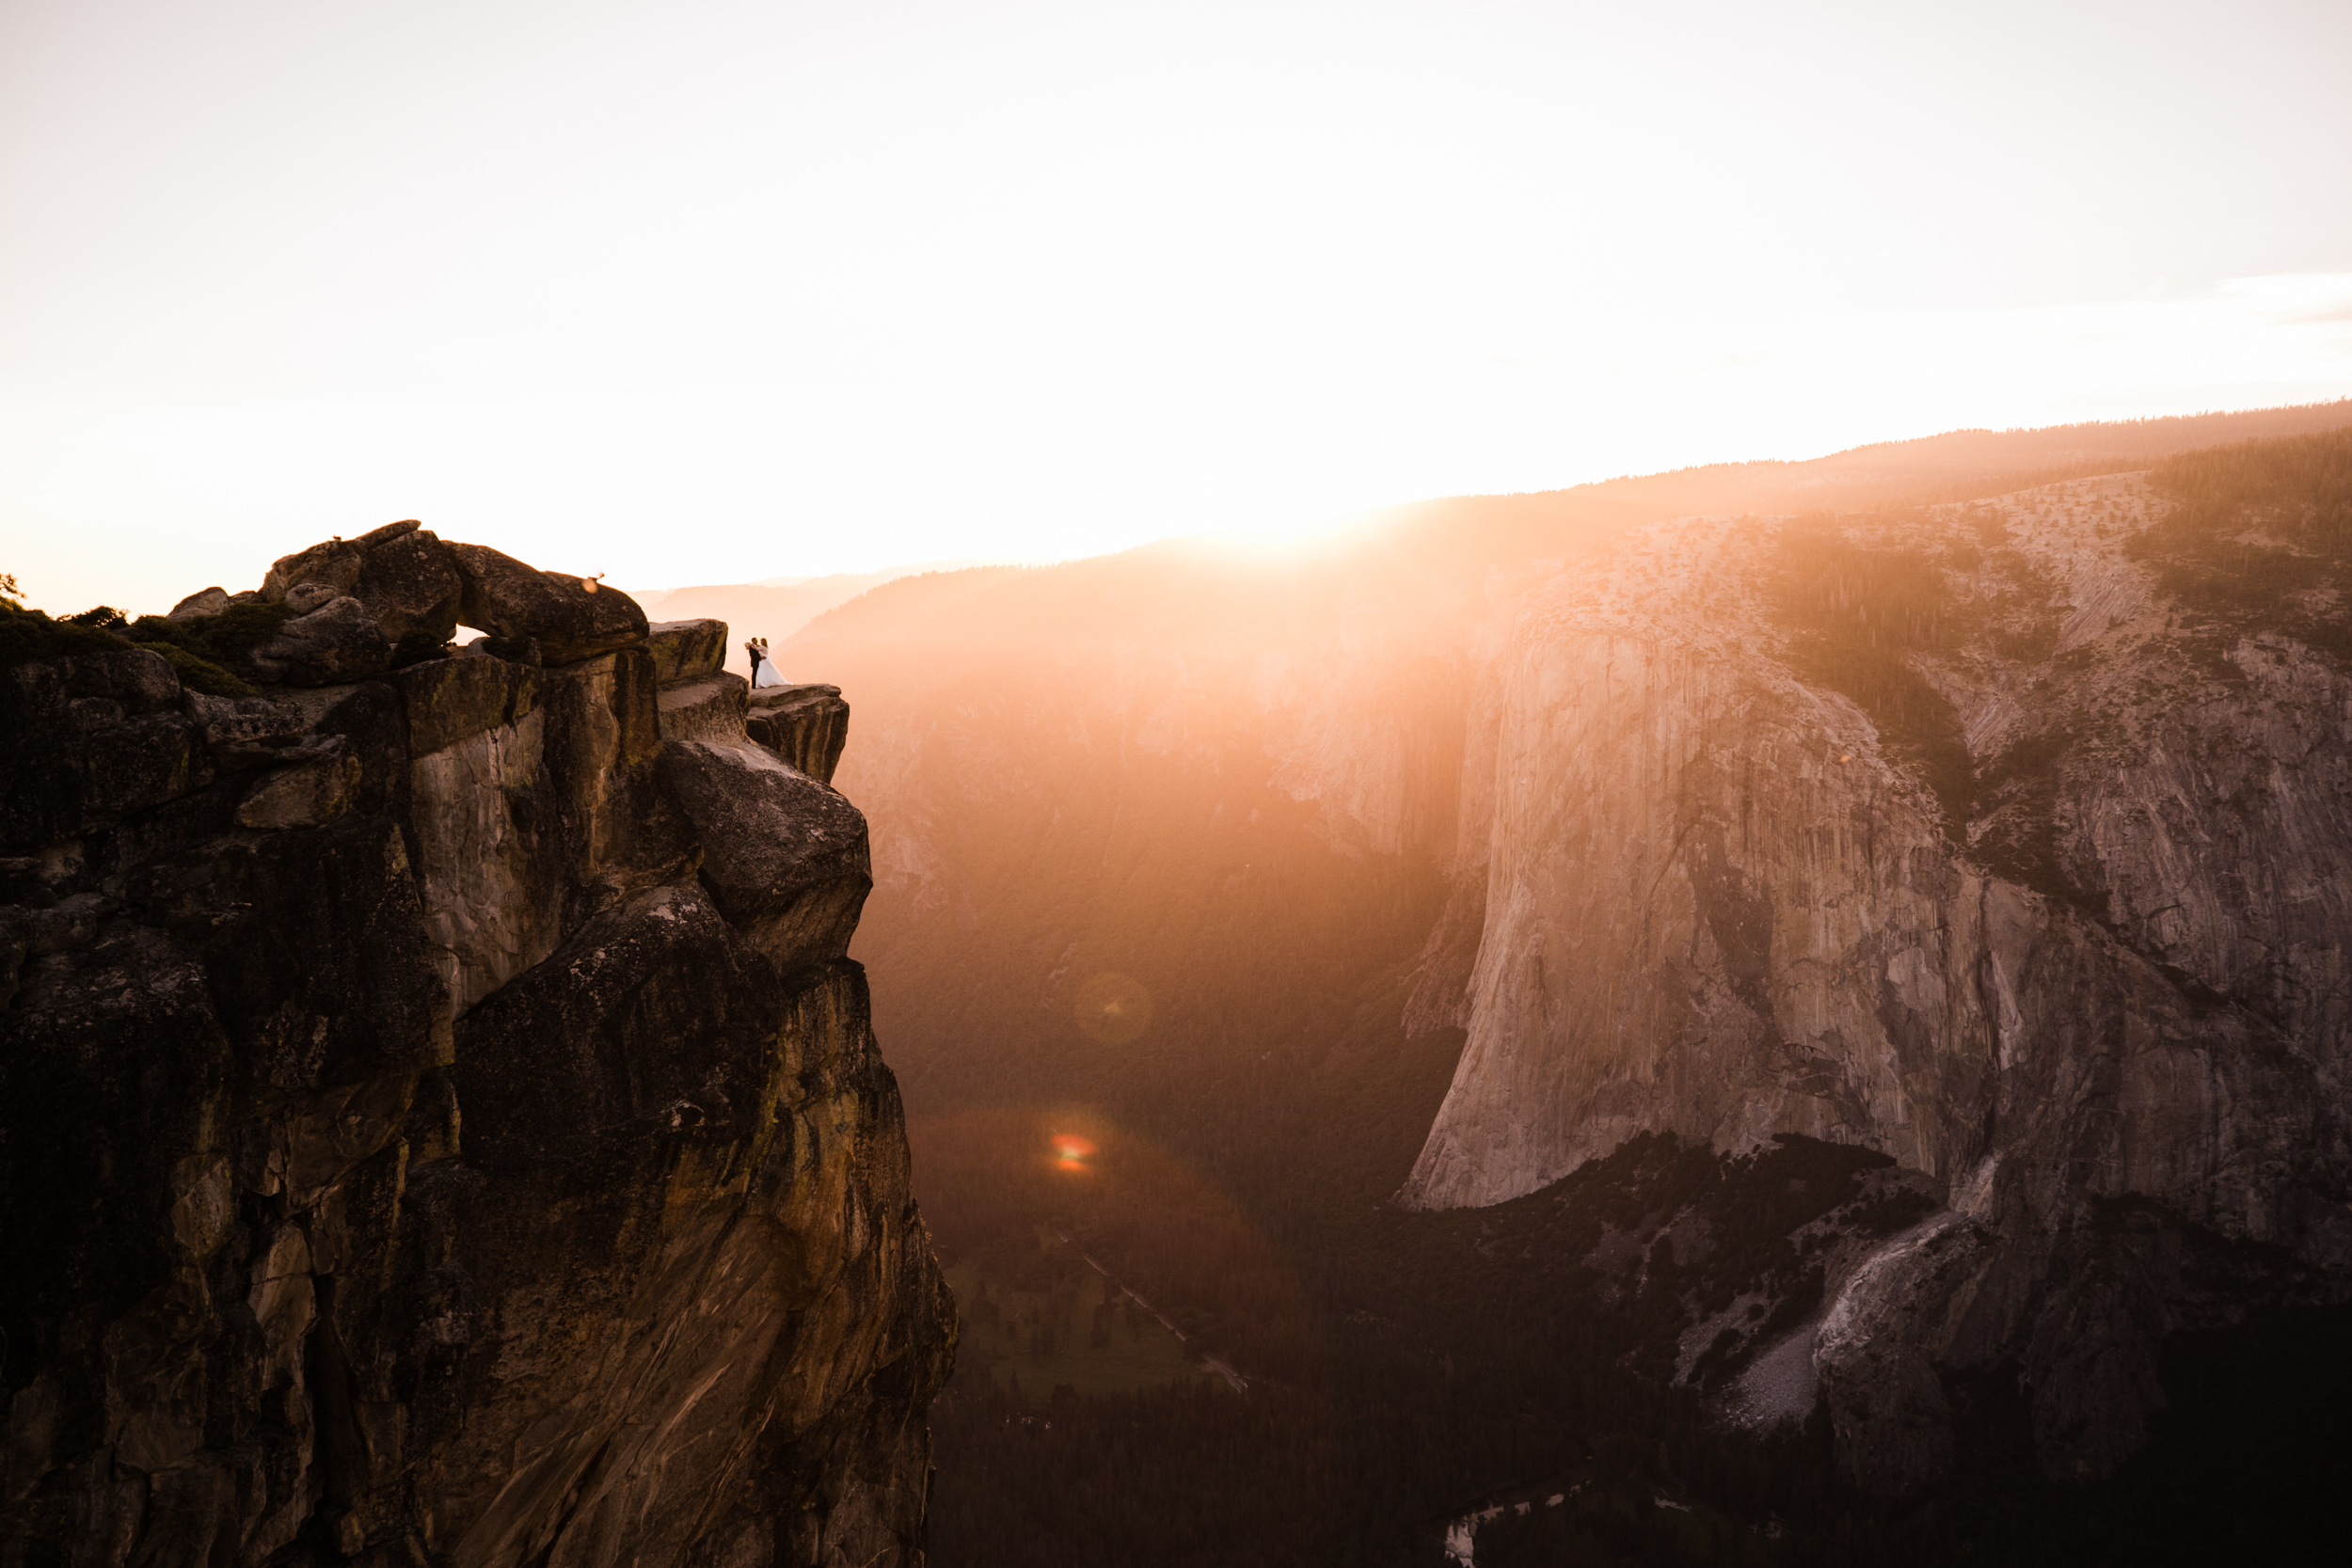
{"x":710,"y":293}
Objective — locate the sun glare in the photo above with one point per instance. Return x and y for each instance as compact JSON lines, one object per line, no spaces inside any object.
{"x":853,"y":287}
{"x":1280,"y":542}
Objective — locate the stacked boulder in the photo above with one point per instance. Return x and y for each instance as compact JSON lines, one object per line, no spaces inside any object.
{"x":438,"y":1121}
{"x":355,"y":604}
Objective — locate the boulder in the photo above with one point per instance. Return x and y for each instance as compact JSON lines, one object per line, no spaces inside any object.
{"x":707,"y":709}
{"x":409,"y":583}
{"x":338,"y":642}
{"x":243,"y":732}
{"x":450,"y":700}
{"x":309,"y":792}
{"x":687,"y":650}
{"x":390,"y":531}
{"x":197,"y":606}
{"x":337,"y":563}
{"x":570,"y":618}
{"x":91,"y":739}
{"x":806,"y":726}
{"x":785,"y":858}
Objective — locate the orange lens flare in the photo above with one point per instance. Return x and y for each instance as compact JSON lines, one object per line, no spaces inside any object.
{"x":1073,"y":1153}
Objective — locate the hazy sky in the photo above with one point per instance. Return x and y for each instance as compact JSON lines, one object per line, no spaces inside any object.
{"x":693,"y":291}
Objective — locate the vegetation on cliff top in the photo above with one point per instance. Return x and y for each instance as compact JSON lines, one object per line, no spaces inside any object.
{"x":1857,"y":613}
{"x":201,"y":652}
{"x":2260,"y":538}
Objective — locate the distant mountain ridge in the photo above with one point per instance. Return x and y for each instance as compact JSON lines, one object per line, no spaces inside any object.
{"x":775,"y":607}
{"x":1955,"y":465}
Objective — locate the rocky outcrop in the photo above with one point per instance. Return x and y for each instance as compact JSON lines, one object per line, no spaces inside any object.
{"x":441,"y":1125}
{"x":569,"y":618}
{"x":2082,"y":977}
{"x":806,"y":726}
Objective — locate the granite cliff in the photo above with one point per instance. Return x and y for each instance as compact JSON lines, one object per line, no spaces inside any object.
{"x":1990,"y":837}
{"x":441,"y":1126}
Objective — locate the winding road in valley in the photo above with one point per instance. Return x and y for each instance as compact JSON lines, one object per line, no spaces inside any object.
{"x":1239,"y":1384}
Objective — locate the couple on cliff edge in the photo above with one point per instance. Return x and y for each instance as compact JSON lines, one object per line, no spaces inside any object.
{"x":763,"y":669}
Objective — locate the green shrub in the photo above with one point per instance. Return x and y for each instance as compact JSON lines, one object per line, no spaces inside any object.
{"x":195,"y":650}
{"x":224,"y":639}
{"x":26,"y":635}
{"x":199,"y":675}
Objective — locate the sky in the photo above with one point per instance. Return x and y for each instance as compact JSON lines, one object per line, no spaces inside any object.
{"x":707,"y":291}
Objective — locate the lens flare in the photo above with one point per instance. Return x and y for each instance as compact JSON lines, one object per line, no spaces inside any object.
{"x":1072,"y":1153}
{"x":1113,"y":1009}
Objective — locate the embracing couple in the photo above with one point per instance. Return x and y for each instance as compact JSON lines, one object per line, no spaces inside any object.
{"x":763,"y":672}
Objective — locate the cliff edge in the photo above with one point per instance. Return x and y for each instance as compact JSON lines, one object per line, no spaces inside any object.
{"x":439,"y":1125}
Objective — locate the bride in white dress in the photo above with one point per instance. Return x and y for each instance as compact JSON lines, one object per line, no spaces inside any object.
{"x":763,"y":671}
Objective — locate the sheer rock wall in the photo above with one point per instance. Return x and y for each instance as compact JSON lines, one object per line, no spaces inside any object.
{"x":1707,"y":899}
{"x":441,"y":1124}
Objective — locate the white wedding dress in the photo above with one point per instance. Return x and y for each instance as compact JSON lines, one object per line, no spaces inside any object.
{"x":764,"y":673}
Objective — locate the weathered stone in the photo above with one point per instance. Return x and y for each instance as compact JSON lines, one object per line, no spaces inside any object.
{"x":487,"y":854}
{"x":450,"y":700}
{"x":653,"y":1018}
{"x":806,"y":726}
{"x":409,"y":583}
{"x":523,"y":652}
{"x":112,"y":1067}
{"x":91,"y":739}
{"x":709,"y":708}
{"x":337,"y":642}
{"x":603,"y":743}
{"x":785,"y":858}
{"x":721,"y":1302}
{"x":243,"y":732}
{"x":1878,"y":1370}
{"x":686,"y":650}
{"x":389,"y":533}
{"x":570,"y":618}
{"x":197,"y":606}
{"x":509,"y":1209}
{"x":334,"y":565}
{"x":305,"y":794}
{"x":371,"y":717}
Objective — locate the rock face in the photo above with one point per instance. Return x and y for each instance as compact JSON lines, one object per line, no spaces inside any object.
{"x":570,"y":618}
{"x":2099,"y":998}
{"x":441,"y":1127}
{"x":807,"y":724}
